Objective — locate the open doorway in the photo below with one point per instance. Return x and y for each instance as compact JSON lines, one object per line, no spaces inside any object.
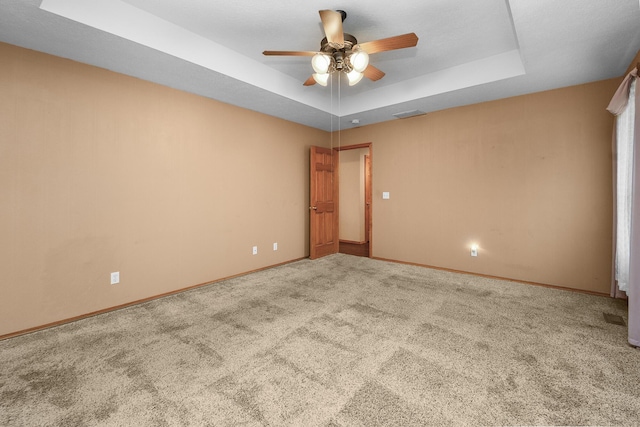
{"x":355,"y":192}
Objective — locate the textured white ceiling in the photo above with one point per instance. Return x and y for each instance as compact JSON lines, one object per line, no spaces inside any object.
{"x":469,"y":50}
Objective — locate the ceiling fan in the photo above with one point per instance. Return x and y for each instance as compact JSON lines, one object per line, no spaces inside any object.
{"x":341,"y":52}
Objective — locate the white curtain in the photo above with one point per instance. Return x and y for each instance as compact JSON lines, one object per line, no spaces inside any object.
{"x":625,"y":105}
{"x":624,"y":144}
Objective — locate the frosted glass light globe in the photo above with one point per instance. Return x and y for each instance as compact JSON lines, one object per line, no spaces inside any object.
{"x":320,"y":63}
{"x":321,"y":78}
{"x":359,"y":60}
{"x":354,"y":77}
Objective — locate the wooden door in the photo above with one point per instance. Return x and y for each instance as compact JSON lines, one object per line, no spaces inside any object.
{"x":323,"y":212}
{"x":367,"y":200}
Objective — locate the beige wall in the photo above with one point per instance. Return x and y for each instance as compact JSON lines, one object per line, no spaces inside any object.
{"x":527,"y":178}
{"x":352,"y":194}
{"x":101,"y":172}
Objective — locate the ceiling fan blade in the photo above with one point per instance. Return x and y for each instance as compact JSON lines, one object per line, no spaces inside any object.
{"x":310,"y":81}
{"x":391,"y":43}
{"x":288,"y":53}
{"x":332,"y":23}
{"x":373,"y":73}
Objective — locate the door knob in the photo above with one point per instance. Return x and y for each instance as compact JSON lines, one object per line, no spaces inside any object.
{"x":315,"y":208}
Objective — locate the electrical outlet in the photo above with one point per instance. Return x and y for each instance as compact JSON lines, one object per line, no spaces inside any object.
{"x":255,"y":250}
{"x":275,"y":246}
{"x":474,"y":250}
{"x":115,"y":277}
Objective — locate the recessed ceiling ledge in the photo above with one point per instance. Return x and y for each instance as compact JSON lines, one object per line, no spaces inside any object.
{"x":124,"y":20}
{"x":486,"y":70}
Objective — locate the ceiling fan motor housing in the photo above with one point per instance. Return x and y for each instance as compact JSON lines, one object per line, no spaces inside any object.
{"x":349,"y":42}
{"x":339,"y":53}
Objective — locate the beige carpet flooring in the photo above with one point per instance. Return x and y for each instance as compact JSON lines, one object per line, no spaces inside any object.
{"x":340,"y":341}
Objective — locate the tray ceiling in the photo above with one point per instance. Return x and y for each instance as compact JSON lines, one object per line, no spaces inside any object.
{"x":469,"y":51}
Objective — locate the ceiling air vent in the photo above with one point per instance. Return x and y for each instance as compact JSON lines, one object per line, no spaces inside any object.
{"x":411,"y":113}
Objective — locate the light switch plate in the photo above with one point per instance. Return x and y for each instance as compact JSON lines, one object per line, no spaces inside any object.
{"x":385,"y":195}
{"x":115,"y":278}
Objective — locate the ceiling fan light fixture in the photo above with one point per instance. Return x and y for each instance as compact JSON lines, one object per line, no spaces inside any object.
{"x":321,"y":78}
{"x":359,"y":60}
{"x":340,"y":52}
{"x":354,"y":77}
{"x":320,"y":63}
